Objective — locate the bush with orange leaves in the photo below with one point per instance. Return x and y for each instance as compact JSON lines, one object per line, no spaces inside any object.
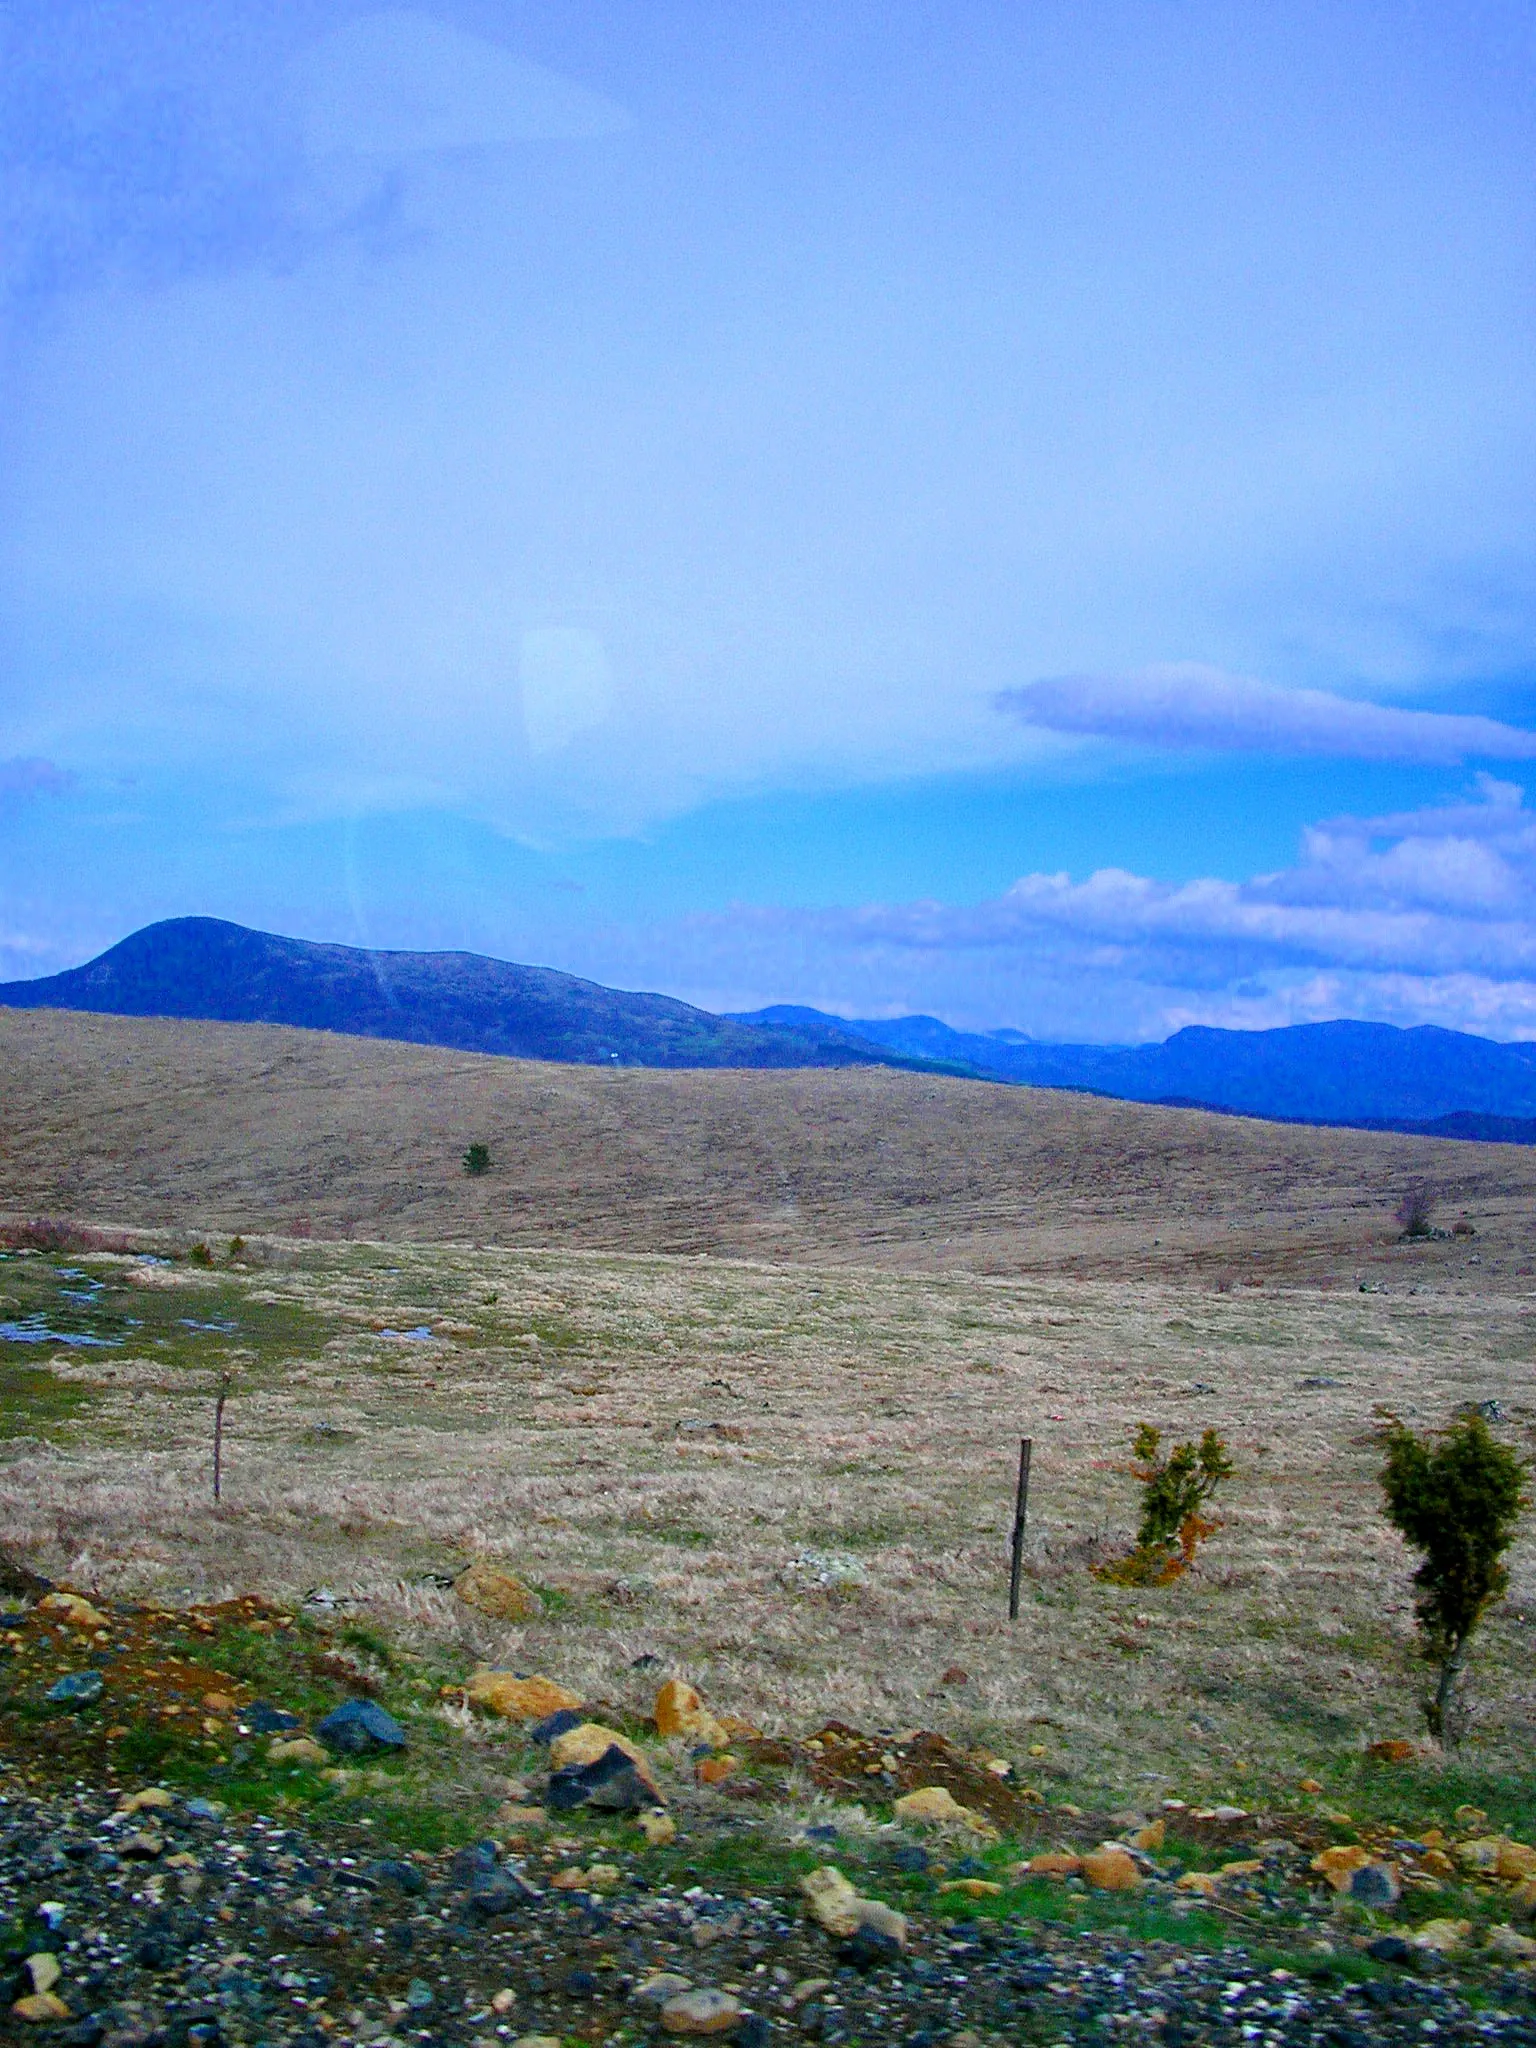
{"x":1175,"y":1488}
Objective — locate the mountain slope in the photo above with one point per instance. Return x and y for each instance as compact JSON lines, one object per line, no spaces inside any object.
{"x":1341,"y":1072}
{"x":205,"y":968}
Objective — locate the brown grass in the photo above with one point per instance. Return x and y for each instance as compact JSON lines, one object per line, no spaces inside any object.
{"x":656,"y":1441}
{"x":214,"y":1127}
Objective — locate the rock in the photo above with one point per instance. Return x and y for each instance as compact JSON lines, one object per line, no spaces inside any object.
{"x":955,"y":1676}
{"x":43,"y":1969}
{"x":972,"y":1887}
{"x":504,"y":1999}
{"x":1469,"y":1816}
{"x":612,"y":1783}
{"x":1481,"y":1854}
{"x":1517,"y":1862}
{"x":516,"y":1815}
{"x":596,"y":1877}
{"x":1310,"y":1786}
{"x":262,"y":1718}
{"x":1110,"y":1870}
{"x":937,"y":1806}
{"x":1440,"y":1937}
{"x":1388,"y":1948}
{"x":518,"y":1698}
{"x":73,"y":1608}
{"x":297,"y":1749}
{"x":538,"y":2041}
{"x":659,"y":1987}
{"x":1392,"y":1749}
{"x":360,"y":1726}
{"x":658,"y":1828}
{"x":152,"y":1797}
{"x":76,"y":1689}
{"x":39,"y":2007}
{"x":1152,"y":1837}
{"x":499,"y":1594}
{"x":144,"y":1846}
{"x":1435,"y":1863}
{"x":218,"y":1703}
{"x":705,"y":1933}
{"x":405,"y":1877}
{"x":1524,"y":1900}
{"x":1375,"y":1884}
{"x":701,"y":2012}
{"x":1201,"y":1883}
{"x":1054,"y":1863}
{"x":1340,"y":1864}
{"x":841,"y":1911}
{"x":493,"y":1893}
{"x":714,"y":1770}
{"x":680,"y":1711}
{"x":833,"y":1901}
{"x":1511,"y":1946}
{"x":589,"y":1740}
{"x":419,"y":1995}
{"x":561,"y":1722}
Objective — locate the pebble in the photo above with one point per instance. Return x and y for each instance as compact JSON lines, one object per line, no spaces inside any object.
{"x":701,"y":2012}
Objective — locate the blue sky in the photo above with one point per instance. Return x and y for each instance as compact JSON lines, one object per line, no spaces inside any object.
{"x":1018,"y":511}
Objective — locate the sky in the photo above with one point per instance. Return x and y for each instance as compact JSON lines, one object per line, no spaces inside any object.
{"x":1024,"y":512}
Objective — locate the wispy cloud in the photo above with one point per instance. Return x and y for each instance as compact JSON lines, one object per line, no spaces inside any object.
{"x":1187,"y":705}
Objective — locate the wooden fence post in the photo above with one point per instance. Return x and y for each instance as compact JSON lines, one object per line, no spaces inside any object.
{"x":1020,"y":1513}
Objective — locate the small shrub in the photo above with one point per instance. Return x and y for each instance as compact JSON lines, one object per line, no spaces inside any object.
{"x":200,"y":1255}
{"x":1174,"y":1490}
{"x":477,"y":1160}
{"x":237,"y":1247}
{"x":59,"y":1234}
{"x":1415,"y":1213}
{"x":1457,"y":1500}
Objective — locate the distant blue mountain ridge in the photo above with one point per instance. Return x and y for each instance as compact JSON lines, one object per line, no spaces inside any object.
{"x":1445,"y":1083}
{"x":1371,"y":1075}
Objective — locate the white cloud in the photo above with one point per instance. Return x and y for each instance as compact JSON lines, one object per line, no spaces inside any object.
{"x":1427,"y":916}
{"x":1187,"y":705}
{"x":567,"y":687}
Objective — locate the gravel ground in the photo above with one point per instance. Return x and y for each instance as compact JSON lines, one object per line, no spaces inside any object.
{"x":185,"y":1928}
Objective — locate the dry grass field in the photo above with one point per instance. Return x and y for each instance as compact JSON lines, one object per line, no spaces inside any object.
{"x":677,"y":1451}
{"x":256,"y":1128}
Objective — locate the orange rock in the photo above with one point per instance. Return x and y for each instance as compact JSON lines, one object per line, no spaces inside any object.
{"x":1111,"y":1870}
{"x":74,"y":1609}
{"x":714,"y":1770}
{"x":1310,"y":1786}
{"x":972,"y":1887}
{"x":1517,"y":1862}
{"x":1524,"y":1900}
{"x":680,"y":1711}
{"x":1339,"y":1865}
{"x":586,"y":1743}
{"x":1393,"y":1749}
{"x":501,"y":1595}
{"x":1054,"y":1863}
{"x":519,"y":1699}
{"x":1152,"y":1836}
{"x":1435,"y":1863}
{"x":1202,"y":1882}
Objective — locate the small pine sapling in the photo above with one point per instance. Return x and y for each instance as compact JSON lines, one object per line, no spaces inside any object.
{"x":1174,"y":1490}
{"x":1456,"y":1499}
{"x":477,"y":1160}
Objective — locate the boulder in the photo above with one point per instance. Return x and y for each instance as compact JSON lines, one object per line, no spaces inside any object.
{"x":43,"y":1969}
{"x":360,"y":1726}
{"x":1375,"y":1884}
{"x":497,"y":1593}
{"x":937,"y":1806}
{"x":1202,"y":1883}
{"x":1054,"y":1863}
{"x":611,"y":1782}
{"x":1339,"y":1864}
{"x":41,"y":2007}
{"x":1111,"y":1870}
{"x":680,"y":1711}
{"x":1440,"y":1937}
{"x":152,"y":1797}
{"x":714,"y":1770}
{"x":1392,"y":1749}
{"x":1524,"y":1900}
{"x":1517,"y":1862}
{"x":972,"y":1887}
{"x":588,"y":1741}
{"x":1150,"y":1838}
{"x":73,"y":1608}
{"x":76,"y":1689}
{"x":1513,"y":1947}
{"x":1481,"y":1854}
{"x":658,"y":1828}
{"x":518,"y":1698}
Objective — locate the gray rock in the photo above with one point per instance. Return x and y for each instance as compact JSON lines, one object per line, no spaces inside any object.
{"x":359,"y":1726}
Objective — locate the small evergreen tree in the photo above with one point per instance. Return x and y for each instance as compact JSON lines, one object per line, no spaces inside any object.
{"x":477,"y":1160}
{"x":1457,"y":1500}
{"x":1174,"y":1490}
{"x":1415,"y":1213}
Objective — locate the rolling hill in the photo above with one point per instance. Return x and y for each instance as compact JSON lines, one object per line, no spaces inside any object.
{"x":204,"y":967}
